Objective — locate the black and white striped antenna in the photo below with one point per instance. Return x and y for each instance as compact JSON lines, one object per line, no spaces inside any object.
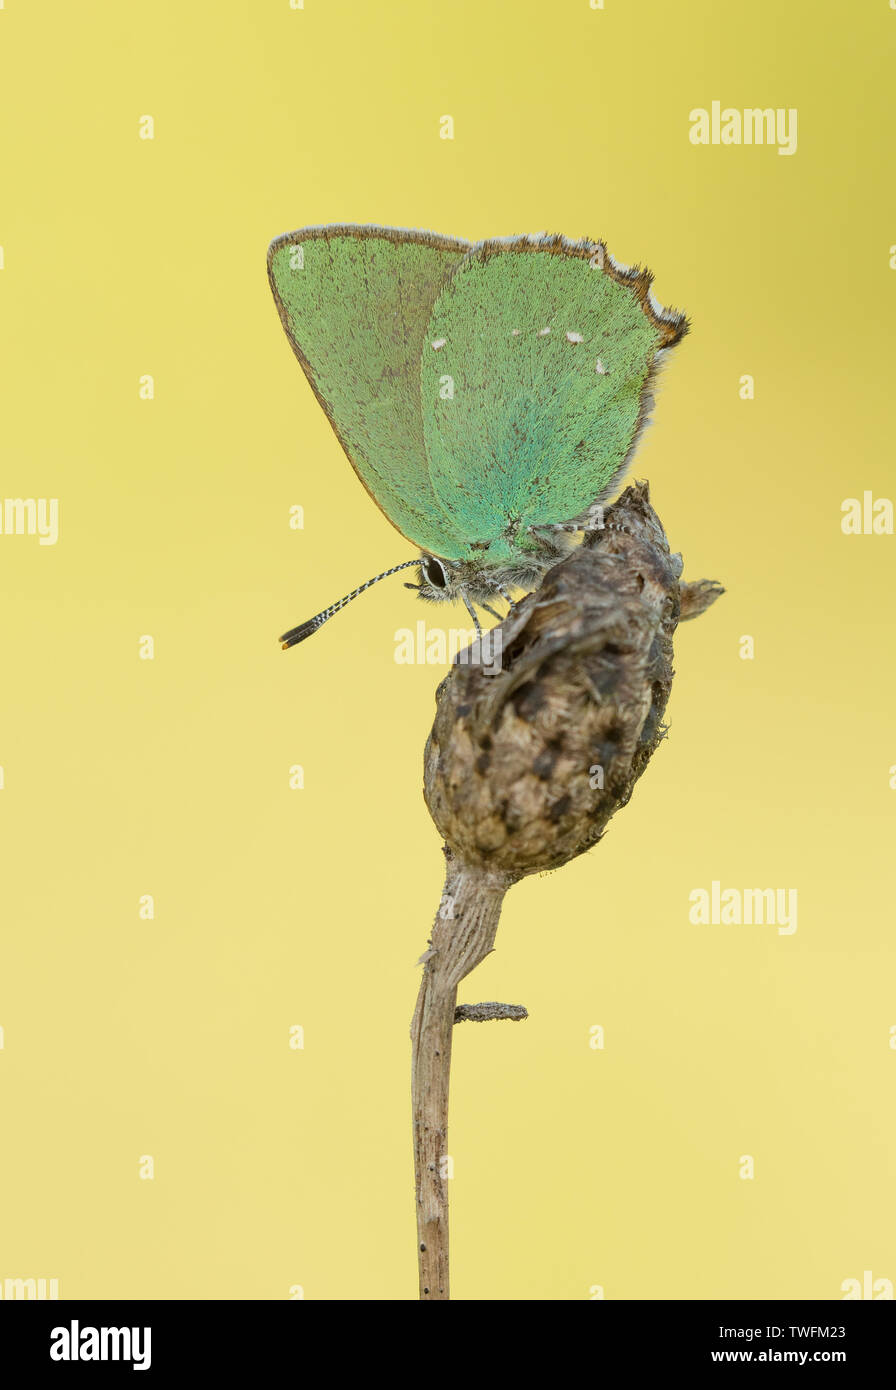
{"x":298,"y":634}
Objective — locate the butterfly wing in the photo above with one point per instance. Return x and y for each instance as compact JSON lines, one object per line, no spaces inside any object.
{"x":355,"y":303}
{"x":549,"y":346}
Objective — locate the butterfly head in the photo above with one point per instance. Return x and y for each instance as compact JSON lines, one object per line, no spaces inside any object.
{"x":447,"y":581}
{"x":487,"y":576}
{"x":438,"y":581}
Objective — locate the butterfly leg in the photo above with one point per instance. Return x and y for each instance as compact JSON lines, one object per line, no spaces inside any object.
{"x":507,"y":599}
{"x":552,"y":528}
{"x":492,"y":612}
{"x":472,"y":612}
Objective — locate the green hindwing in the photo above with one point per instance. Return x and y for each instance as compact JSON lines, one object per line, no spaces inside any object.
{"x":355,"y":303}
{"x":535,"y":385}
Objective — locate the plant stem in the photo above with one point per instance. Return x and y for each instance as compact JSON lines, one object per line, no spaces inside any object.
{"x":463,"y":935}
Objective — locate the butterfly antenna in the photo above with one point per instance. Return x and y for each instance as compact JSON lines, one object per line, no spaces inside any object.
{"x":298,"y":634}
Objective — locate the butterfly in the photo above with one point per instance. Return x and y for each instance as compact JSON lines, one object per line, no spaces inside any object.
{"x":489,"y":395}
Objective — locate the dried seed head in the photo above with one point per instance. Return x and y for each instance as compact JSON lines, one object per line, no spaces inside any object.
{"x":524,"y":767}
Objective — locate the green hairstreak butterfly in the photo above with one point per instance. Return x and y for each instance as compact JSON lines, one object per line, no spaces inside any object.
{"x":489,"y":395}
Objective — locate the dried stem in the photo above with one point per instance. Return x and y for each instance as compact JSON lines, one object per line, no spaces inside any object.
{"x":463,"y":935}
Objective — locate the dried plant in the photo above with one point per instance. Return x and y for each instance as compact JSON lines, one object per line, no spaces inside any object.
{"x":534,"y":747}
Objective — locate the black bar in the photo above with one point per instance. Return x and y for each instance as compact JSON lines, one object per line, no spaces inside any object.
{"x":221,"y":1338}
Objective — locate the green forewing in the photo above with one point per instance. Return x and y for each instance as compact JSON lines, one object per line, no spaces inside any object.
{"x":355,"y":303}
{"x":523,"y":426}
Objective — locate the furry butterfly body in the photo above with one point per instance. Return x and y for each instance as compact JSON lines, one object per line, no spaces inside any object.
{"x":487,"y":394}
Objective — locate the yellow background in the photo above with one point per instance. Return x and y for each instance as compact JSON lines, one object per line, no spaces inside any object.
{"x":274,"y":907}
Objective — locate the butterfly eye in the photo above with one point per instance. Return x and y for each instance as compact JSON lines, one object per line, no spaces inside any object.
{"x":434,"y":572}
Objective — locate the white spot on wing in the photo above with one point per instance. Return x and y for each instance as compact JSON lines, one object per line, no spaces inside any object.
{"x":514,"y":332}
{"x":439,"y":343}
{"x":600,"y":368}
{"x":574,"y":338}
{"x":543,"y":332}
